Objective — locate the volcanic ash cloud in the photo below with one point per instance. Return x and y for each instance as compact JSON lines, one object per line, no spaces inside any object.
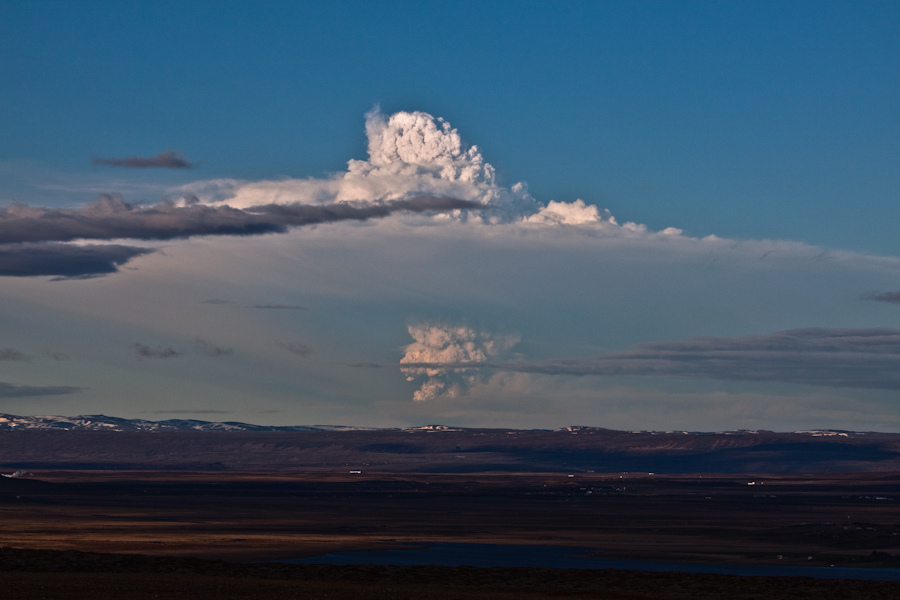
{"x":455,"y":344}
{"x":415,"y":153}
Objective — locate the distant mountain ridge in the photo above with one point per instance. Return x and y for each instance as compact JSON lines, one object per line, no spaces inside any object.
{"x":99,"y":442}
{"x":106,"y":423}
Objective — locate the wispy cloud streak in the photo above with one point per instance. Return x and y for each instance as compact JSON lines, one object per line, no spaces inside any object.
{"x":164,"y":160}
{"x":211,"y":349}
{"x":141,"y":351}
{"x":298,"y":349}
{"x":890,"y":297}
{"x":857,"y":358}
{"x":280,"y":306}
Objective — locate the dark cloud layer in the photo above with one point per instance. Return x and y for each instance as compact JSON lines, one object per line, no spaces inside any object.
{"x":64,"y":260}
{"x":163,"y":160}
{"x":111,"y":218}
{"x":30,"y":238}
{"x":860,"y":358}
{"x":11,"y":390}
{"x":891,"y":297}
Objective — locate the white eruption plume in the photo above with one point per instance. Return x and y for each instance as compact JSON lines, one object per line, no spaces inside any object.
{"x":410,"y":154}
{"x":451,"y":344}
{"x":415,"y":154}
{"x":418,"y":144}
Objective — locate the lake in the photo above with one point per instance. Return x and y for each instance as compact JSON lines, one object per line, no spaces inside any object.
{"x":564,"y":557}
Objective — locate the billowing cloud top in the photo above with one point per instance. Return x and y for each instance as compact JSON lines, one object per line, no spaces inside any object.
{"x":414,"y":153}
{"x":453,"y":248}
{"x":455,"y":344}
{"x":418,"y":144}
{"x":417,"y":164}
{"x":410,"y":153}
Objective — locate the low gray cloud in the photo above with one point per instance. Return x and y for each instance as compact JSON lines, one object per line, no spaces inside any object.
{"x":164,"y":160}
{"x":11,"y":390}
{"x":64,"y":260}
{"x":211,"y":349}
{"x":142,"y":351}
{"x":858,"y":358}
{"x":890,"y":297}
{"x":30,"y":238}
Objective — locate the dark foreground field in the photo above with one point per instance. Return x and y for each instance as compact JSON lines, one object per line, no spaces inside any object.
{"x":184,"y":520}
{"x":36,"y":575}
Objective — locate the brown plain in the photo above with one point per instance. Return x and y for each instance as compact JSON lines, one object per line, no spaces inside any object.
{"x":190,"y":515}
{"x":843,"y":520}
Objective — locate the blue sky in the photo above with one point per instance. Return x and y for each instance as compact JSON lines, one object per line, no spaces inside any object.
{"x":773,"y":126}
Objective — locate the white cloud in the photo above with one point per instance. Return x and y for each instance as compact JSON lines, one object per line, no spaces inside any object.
{"x":416,"y":144}
{"x":572,"y":213}
{"x":409,"y":153}
{"x":571,"y":278}
{"x":446,"y":343}
{"x":414,"y":153}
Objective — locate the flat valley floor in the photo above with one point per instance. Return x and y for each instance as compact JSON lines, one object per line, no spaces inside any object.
{"x":80,"y":534}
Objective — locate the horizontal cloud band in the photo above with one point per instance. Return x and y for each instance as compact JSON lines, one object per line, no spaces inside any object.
{"x":859,"y":358}
{"x":111,"y":218}
{"x":30,"y":238}
{"x":163,"y":160}
{"x":64,"y":260}
{"x":890,"y":297}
